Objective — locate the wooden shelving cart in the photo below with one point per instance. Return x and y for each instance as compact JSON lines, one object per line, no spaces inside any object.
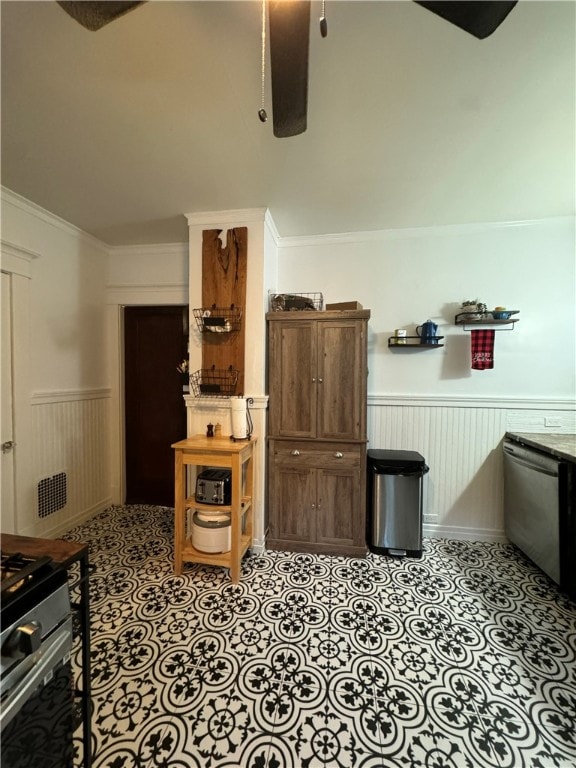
{"x":201,"y":451}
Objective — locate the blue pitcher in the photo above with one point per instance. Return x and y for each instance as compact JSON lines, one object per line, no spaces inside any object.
{"x":427,"y":332}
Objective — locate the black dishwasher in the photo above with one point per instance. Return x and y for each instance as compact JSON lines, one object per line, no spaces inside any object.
{"x":539,"y":510}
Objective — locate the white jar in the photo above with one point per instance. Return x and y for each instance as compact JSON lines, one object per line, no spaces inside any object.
{"x":400,"y":334}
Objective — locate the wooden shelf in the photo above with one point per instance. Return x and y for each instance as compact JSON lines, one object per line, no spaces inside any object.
{"x":465,"y":319}
{"x":191,"y":503}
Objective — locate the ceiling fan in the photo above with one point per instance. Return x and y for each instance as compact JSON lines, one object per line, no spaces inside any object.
{"x":289,"y":24}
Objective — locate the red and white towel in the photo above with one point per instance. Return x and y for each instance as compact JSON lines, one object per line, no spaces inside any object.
{"x":482,"y":342}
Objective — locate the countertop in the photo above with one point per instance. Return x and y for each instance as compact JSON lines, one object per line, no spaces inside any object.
{"x":64,"y":553}
{"x":563,"y":446}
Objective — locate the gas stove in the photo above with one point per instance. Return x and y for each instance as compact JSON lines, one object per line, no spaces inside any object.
{"x":35,"y":644}
{"x":17,"y":571}
{"x":25,"y":581}
{"x":37,"y":682}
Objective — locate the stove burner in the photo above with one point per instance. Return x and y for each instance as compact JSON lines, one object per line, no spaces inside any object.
{"x":17,"y":571}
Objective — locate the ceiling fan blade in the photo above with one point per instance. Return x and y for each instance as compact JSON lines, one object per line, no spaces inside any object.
{"x":478,"y":18}
{"x":94,"y":15}
{"x":289,"y":42}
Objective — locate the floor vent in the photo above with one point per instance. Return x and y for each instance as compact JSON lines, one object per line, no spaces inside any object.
{"x":52,"y":494}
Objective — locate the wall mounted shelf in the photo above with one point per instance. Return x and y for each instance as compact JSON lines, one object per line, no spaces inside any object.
{"x":214,"y":382}
{"x":218,"y":319}
{"x":413,"y":342}
{"x":470,"y":320}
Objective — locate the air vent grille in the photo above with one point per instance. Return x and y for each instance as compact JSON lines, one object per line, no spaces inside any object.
{"x":52,"y":494}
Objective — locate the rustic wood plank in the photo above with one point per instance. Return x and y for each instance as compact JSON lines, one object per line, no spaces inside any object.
{"x":224,"y":273}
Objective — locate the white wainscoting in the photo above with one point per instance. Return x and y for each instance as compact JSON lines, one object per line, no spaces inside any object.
{"x":71,"y":435}
{"x":461,"y":440}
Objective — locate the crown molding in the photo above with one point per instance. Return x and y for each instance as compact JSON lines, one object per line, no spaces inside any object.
{"x":444,"y":230}
{"x":12,"y":198}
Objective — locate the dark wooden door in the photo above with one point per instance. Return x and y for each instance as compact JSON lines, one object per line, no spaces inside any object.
{"x":155,"y":342}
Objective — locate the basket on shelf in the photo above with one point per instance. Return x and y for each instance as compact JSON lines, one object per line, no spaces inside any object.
{"x":295,"y":302}
{"x":214,"y":382}
{"x":218,"y":319}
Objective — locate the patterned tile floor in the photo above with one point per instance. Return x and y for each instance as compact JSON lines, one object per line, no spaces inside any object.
{"x":463,"y":659}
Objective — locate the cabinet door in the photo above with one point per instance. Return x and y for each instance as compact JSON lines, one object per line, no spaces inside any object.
{"x":342,"y":380}
{"x":294,"y":504}
{"x":340,"y":521}
{"x":292,"y":379}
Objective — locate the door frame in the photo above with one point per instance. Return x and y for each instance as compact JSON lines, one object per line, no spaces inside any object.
{"x":118,"y":298}
{"x":7,"y":510}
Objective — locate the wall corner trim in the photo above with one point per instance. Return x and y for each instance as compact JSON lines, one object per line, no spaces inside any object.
{"x":69,"y":396}
{"x":472,"y":401}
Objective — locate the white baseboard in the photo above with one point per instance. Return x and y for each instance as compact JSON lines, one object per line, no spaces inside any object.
{"x":66,"y":525}
{"x":466,"y":534}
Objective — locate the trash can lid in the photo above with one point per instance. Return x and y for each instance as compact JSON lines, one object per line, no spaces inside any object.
{"x":389,"y":458}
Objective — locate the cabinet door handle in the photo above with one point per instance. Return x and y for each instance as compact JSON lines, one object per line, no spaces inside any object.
{"x":313,"y":380}
{"x":313,"y":505}
{"x":338,"y":455}
{"x":320,"y":380}
{"x":295,"y":452}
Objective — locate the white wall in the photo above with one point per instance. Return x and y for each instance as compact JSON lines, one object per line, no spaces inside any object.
{"x":62,"y":401}
{"x":137,"y":270}
{"x":70,"y":348}
{"x":430,"y":400}
{"x":408,"y":276}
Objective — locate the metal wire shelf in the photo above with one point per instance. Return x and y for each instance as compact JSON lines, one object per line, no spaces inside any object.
{"x":218,"y":319}
{"x":214,"y":382}
{"x":295,"y":302}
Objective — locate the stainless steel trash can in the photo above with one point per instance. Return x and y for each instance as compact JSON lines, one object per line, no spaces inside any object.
{"x":394,"y":504}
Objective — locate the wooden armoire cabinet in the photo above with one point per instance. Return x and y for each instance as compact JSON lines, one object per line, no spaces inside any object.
{"x":317,"y":379}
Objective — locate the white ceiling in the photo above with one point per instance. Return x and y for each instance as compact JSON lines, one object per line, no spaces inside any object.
{"x":411,"y":121}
